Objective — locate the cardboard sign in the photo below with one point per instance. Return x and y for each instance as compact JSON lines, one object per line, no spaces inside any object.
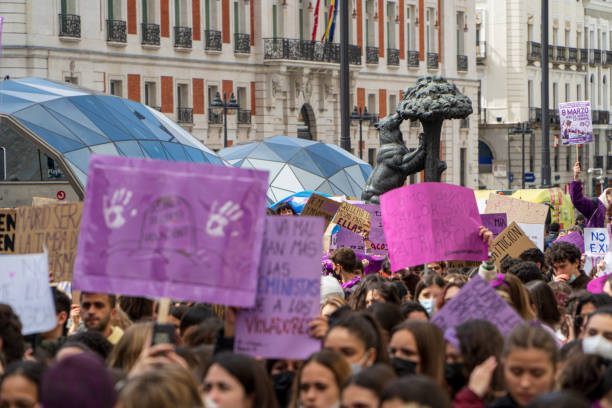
{"x":8,"y":218}
{"x":574,"y":238}
{"x":345,"y":238}
{"x":596,"y":246}
{"x":320,"y":206}
{"x":24,"y":285}
{"x":288,"y":293}
{"x":354,"y":219}
{"x":495,"y":223}
{"x":429,"y":222}
{"x":57,"y":227}
{"x":37,"y":201}
{"x":511,"y":242}
{"x":477,"y":300}
{"x":517,"y":210}
{"x":575,"y":122}
{"x":535,"y":232}
{"x":171,"y":229}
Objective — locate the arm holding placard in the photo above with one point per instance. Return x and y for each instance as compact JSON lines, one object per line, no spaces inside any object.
{"x":585,"y":205}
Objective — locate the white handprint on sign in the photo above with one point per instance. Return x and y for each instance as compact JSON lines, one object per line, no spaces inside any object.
{"x":113,"y":210}
{"x":218,"y":220}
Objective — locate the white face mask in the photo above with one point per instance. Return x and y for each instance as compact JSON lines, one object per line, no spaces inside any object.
{"x":597,"y":345}
{"x":428,"y":305}
{"x":209,"y":403}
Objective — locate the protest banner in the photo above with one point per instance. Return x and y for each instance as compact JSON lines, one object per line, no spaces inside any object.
{"x":38,"y":201}
{"x":576,"y":123}
{"x":8,"y":218}
{"x":596,"y":245}
{"x":597,"y":285}
{"x":320,"y":206}
{"x":288,"y":292}
{"x":477,"y":300}
{"x":354,"y":219}
{"x":53,"y":225}
{"x":517,"y":210}
{"x":429,"y":222}
{"x":575,"y":238}
{"x":171,"y":229}
{"x":24,"y":285}
{"x":535,"y":232}
{"x":511,"y":242}
{"x":495,"y":223}
{"x":378,"y":245}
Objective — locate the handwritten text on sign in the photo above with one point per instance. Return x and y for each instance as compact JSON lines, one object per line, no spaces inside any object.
{"x":288,"y":291}
{"x":320,"y":206}
{"x":511,"y":242}
{"x":24,"y":285}
{"x":353,"y":218}
{"x":517,"y":210}
{"x":377,"y":237}
{"x":7,"y":230}
{"x":430,"y":222}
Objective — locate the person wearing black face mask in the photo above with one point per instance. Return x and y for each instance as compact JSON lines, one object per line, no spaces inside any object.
{"x":403,"y":367}
{"x":455,"y":377}
{"x":283,"y":374}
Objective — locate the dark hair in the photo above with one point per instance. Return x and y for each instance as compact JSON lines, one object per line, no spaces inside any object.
{"x":386,"y":266}
{"x":528,"y":336}
{"x":32,"y":370}
{"x":364,"y":326}
{"x":559,"y":399}
{"x":479,"y":340}
{"x":136,"y":307}
{"x":449,"y":285}
{"x":561,"y":252}
{"x":195,"y":315}
{"x":507,"y":263}
{"x":345,"y":257}
{"x":431,"y":347}
{"x":409,"y":307}
{"x":583,"y":374}
{"x":13,"y":345}
{"x":331,"y":360}
{"x":430,"y":279}
{"x":543,"y":297}
{"x":570,"y":349}
{"x":527,"y":271}
{"x":533,"y":255}
{"x":178,"y":311}
{"x":388,"y":315}
{"x":203,"y":333}
{"x":599,"y":300}
{"x":580,"y":217}
{"x":283,"y":206}
{"x":112,"y":299}
{"x":94,"y":341}
{"x":386,"y":290}
{"x":374,"y":378}
{"x":554,"y":227}
{"x":419,"y":389}
{"x":357,"y":298}
{"x":62,"y":304}
{"x":251,"y":374}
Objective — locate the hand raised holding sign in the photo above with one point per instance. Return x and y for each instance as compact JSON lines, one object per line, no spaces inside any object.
{"x":577,"y":171}
{"x":487,"y":236}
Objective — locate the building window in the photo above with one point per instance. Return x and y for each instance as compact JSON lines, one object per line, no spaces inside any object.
{"x":372,"y":104}
{"x":390,"y":25}
{"x":212,"y":92}
{"x":429,"y":29}
{"x":372,"y":156}
{"x":567,"y":92}
{"x":241,"y":97}
{"x":460,"y":33}
{"x":392,"y":102}
{"x":68,"y":7}
{"x":114,"y":9}
{"x":210,"y":14}
{"x":116,"y":87}
{"x":578,"y":92}
{"x":148,"y":11}
{"x":71,"y":79}
{"x":150,"y":94}
{"x":485,"y":158}
{"x":462,"y":167}
{"x":410,"y":28}
{"x":181,"y":16}
{"x":369,"y":25}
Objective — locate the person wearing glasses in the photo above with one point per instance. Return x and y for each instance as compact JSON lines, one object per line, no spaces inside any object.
{"x":437,"y":267}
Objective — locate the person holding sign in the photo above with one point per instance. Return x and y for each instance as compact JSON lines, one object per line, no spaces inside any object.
{"x":599,"y":211}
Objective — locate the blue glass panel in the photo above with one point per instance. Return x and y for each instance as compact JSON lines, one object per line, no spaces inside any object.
{"x":64,"y":107}
{"x":147,"y":119}
{"x":326,"y":151}
{"x":304,"y":161}
{"x":45,"y":82}
{"x":37,"y":115}
{"x":85,"y":133}
{"x":58,"y":142}
{"x":129,"y":149}
{"x":301,"y":142}
{"x":325,"y":165}
{"x":19,"y":86}
{"x":195,"y":154}
{"x":285,"y":140}
{"x":237,"y":152}
{"x":108,"y":149}
{"x":127,"y":118}
{"x":285,"y":152}
{"x":325,"y":188}
{"x":154,"y":149}
{"x":10,"y":104}
{"x":176,"y":151}
{"x":340,"y":191}
{"x":211,"y":158}
{"x":263,"y":152}
{"x":101,"y":117}
{"x":80,"y":158}
{"x":366,"y":170}
{"x":341,"y":181}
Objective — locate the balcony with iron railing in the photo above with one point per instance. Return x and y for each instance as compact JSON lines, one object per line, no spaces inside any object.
{"x":584,"y":55}
{"x":306,"y":50}
{"x":242,"y":43}
{"x":70,"y":25}
{"x":393,"y":56}
{"x":551,"y":53}
{"x":371,"y":55}
{"x":607,"y":58}
{"x":244,"y":116}
{"x":600,"y":117}
{"x":560,"y":54}
{"x":214,"y":118}
{"x":481,"y":52}
{"x":432,"y":60}
{"x":116,"y":31}
{"x":182,"y":37}
{"x":598,"y":162}
{"x":594,"y":57}
{"x":212,"y":40}
{"x":572,"y":55}
{"x":413,"y":59}
{"x":535,"y":115}
{"x":184,"y":115}
{"x":462,"y":63}
{"x":534,"y":51}
{"x":150,"y":34}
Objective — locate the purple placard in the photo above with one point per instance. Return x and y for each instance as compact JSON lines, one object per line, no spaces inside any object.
{"x":288,"y":293}
{"x":575,"y":238}
{"x":575,"y":122}
{"x":430,"y":222}
{"x":346,"y":238}
{"x":171,"y":229}
{"x":477,"y":300}
{"x":495,"y":223}
{"x":597,"y":285}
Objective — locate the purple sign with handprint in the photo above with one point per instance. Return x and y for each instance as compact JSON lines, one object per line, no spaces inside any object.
{"x":170,"y":229}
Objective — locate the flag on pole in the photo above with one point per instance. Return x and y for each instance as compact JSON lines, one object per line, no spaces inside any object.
{"x":332,"y":8}
{"x":316,"y":21}
{"x":333,"y":24}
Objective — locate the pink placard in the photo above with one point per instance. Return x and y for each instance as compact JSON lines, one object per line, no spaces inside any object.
{"x":431,"y":222}
{"x":597,"y":285}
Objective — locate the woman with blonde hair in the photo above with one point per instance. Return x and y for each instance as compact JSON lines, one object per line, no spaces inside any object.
{"x":512,"y":290}
{"x":128,"y":349}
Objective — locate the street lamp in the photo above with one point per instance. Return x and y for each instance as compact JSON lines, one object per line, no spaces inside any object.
{"x":360,"y":114}
{"x":221,"y":106}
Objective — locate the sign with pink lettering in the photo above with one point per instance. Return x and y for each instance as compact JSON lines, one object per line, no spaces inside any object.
{"x":430,"y":222}
{"x":345,"y":238}
{"x":576,"y":122}
{"x":171,"y":229}
{"x":288,"y":292}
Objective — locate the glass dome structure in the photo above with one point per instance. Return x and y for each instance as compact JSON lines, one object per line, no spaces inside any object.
{"x":70,"y":123}
{"x":296,"y":165}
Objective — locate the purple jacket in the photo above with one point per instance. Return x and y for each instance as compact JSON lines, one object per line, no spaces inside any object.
{"x":596,"y":215}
